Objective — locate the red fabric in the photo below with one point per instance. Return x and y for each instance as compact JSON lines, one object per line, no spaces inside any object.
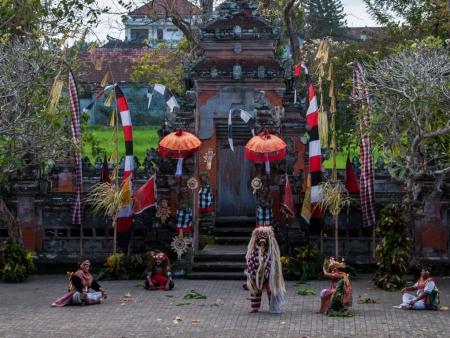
{"x":288,"y":201}
{"x":206,"y":210}
{"x":184,"y":230}
{"x":263,"y":157}
{"x":297,"y":70}
{"x":175,"y":154}
{"x":128,"y":133}
{"x":159,"y":280}
{"x":351,"y":182}
{"x":316,"y":210}
{"x":312,"y":119}
{"x":124,"y":224}
{"x":311,"y":92}
{"x":145,"y":196}
{"x":122,"y":104}
{"x":315,"y":163}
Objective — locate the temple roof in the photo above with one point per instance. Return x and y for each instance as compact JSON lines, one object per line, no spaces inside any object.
{"x":240,"y":13}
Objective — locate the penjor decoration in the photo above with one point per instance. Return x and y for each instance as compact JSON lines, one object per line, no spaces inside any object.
{"x":264,"y":271}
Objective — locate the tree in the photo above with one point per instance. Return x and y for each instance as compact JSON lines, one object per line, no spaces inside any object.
{"x":159,"y":65}
{"x":410,"y":106}
{"x":32,"y":34}
{"x":324,"y":18}
{"x":26,"y":73}
{"x":420,"y":17}
{"x":48,"y":19}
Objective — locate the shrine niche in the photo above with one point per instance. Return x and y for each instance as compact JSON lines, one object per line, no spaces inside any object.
{"x":239,"y":81}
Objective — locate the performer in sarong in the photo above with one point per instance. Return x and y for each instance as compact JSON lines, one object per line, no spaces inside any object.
{"x":83,"y":288}
{"x":158,"y":275}
{"x":338,"y":296}
{"x":264,"y":271}
{"x":427,"y":294}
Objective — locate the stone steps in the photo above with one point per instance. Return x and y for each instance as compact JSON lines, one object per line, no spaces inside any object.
{"x":220,"y":262}
{"x":217,"y":275}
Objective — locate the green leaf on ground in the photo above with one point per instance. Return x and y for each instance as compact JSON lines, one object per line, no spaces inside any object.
{"x":344,"y":314}
{"x":366,"y":299}
{"x":182,"y":304}
{"x":306,"y":292}
{"x":194,"y":295}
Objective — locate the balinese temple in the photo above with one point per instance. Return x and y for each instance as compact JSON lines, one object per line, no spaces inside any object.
{"x":239,"y":70}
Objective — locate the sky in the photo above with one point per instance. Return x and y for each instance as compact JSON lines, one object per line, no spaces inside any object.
{"x":111,"y":24}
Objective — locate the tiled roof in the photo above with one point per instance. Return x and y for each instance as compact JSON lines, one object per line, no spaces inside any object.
{"x":158,"y":7}
{"x":118,"y":61}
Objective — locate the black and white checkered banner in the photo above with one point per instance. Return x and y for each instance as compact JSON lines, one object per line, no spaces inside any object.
{"x":263,"y":216}
{"x":170,"y":99}
{"x":246,"y":117}
{"x":184,"y":221}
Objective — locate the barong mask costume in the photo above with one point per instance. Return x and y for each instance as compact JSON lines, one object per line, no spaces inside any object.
{"x":264,"y":271}
{"x":159,"y":276}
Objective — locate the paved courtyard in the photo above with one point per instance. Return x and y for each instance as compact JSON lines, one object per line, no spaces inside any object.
{"x":25,"y":312}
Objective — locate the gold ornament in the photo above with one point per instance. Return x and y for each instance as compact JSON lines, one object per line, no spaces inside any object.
{"x":163,"y":211}
{"x":256,"y":184}
{"x":208,"y":157}
{"x":192,"y":183}
{"x":180,"y":244}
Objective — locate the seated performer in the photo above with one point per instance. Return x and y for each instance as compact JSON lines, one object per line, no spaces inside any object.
{"x":338,"y":296}
{"x":427,"y":294}
{"x":83,"y":288}
{"x":264,"y":272}
{"x":159,"y":276}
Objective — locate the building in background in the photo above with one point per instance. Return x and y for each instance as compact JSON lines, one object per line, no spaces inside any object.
{"x":150,"y":23}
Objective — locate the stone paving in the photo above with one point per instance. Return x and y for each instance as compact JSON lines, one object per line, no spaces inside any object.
{"x":25,"y":312}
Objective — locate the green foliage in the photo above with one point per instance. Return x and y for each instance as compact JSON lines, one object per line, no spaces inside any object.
{"x":306,"y":292}
{"x":342,"y":314}
{"x":120,"y":266}
{"x":194,"y":295}
{"x":115,"y":265}
{"x":393,"y":252}
{"x":305,"y":265}
{"x":16,"y":264}
{"x":324,"y":18}
{"x":52,"y":19}
{"x":162,"y":65}
{"x":419,"y":17}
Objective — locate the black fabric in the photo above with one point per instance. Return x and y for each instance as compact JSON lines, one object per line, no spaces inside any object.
{"x":77,"y":283}
{"x":316,"y":178}
{"x":314,"y":133}
{"x":128,"y":147}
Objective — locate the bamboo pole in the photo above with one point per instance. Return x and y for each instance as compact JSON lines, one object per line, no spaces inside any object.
{"x":336,"y":235}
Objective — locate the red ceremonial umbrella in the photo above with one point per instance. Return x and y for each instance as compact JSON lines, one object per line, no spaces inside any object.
{"x":265,"y":148}
{"x":179,"y":144}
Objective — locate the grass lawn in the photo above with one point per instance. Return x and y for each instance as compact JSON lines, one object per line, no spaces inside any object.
{"x":144,"y":137}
